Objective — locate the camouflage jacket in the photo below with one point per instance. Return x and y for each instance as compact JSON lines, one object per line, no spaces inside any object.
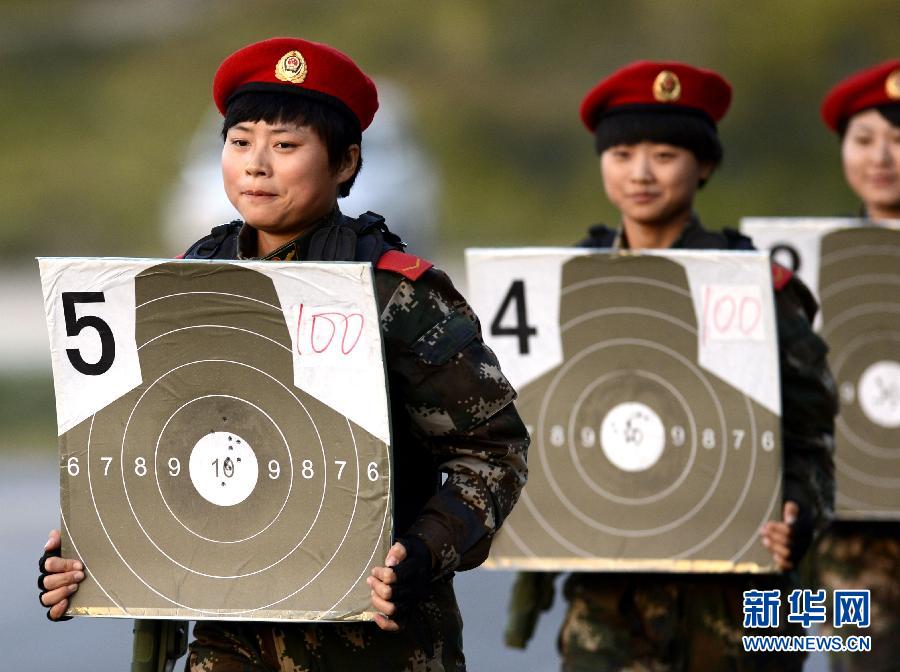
{"x":451,"y":407}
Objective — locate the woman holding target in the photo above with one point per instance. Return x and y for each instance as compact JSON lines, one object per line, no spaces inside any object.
{"x":294,"y":112}
{"x":864,"y":111}
{"x":654,"y":128}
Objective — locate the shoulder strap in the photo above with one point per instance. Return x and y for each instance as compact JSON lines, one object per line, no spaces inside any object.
{"x":737,"y":240}
{"x":364,"y":238}
{"x":701,"y":239}
{"x":373,"y":237}
{"x":221,"y":243}
{"x":599,"y":235}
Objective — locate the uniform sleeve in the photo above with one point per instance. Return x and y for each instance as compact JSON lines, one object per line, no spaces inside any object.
{"x":809,"y":405}
{"x":461,"y":409}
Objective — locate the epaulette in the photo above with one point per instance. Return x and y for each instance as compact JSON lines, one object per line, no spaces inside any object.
{"x":737,"y":240}
{"x":211,"y":246}
{"x":599,"y":235}
{"x":781,"y":276}
{"x":407,"y":265}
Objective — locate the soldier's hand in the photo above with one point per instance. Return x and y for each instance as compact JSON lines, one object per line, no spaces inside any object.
{"x":777,"y":537}
{"x":401,"y":584}
{"x":58,"y":579}
{"x":382,"y":584}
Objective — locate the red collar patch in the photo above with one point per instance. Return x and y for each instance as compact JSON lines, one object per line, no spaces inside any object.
{"x":407,"y":265}
{"x":780,"y":276}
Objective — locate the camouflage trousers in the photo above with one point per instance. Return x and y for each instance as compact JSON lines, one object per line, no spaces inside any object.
{"x":864,"y":556}
{"x":431,"y":643}
{"x":666,"y":623}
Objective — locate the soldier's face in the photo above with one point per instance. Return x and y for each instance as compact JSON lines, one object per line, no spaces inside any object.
{"x":651,"y":183}
{"x":279,"y":178}
{"x":871,"y":157}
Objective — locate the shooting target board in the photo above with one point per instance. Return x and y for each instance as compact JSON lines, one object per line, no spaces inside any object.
{"x":224,"y":436}
{"x":853,"y":268}
{"x":649,"y":383}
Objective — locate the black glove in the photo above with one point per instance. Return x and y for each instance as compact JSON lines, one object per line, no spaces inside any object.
{"x":414,"y":575}
{"x":40,"y":582}
{"x":802,"y":530}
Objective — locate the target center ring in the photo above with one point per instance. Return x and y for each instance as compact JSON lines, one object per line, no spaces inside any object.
{"x":632,"y":436}
{"x":223,"y":468}
{"x":879,"y":393}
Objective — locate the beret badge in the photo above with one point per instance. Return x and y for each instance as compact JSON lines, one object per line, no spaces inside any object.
{"x":667,"y":87}
{"x":892,"y":85}
{"x":291,"y":68}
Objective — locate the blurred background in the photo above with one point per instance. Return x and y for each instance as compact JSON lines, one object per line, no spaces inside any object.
{"x":110,"y":148}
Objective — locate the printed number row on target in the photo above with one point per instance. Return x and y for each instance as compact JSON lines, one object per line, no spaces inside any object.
{"x":708,"y":438}
{"x":227,"y":467}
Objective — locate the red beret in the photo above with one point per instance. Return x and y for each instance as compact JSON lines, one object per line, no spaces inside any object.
{"x":878,"y":85}
{"x":292,"y":64}
{"x":662,"y":84}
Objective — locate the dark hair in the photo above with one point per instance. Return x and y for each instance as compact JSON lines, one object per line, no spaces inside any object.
{"x":682,"y":128}
{"x":890,"y":111}
{"x":331,"y":121}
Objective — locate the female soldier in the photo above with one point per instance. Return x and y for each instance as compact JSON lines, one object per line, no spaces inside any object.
{"x":294,"y":114}
{"x":654,"y":127}
{"x":864,"y":111}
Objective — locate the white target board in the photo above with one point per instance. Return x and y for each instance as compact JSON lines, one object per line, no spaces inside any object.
{"x":224,"y":436}
{"x":853,"y":268}
{"x":649,"y":384}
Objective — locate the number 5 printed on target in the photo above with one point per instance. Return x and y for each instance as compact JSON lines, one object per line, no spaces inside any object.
{"x":91,"y":326}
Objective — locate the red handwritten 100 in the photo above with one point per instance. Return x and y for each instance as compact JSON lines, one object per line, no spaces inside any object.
{"x":328,"y":331}
{"x":731,"y":313}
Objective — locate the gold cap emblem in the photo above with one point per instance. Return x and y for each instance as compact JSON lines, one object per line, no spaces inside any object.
{"x":291,"y":68}
{"x":892,"y":85}
{"x":667,"y":87}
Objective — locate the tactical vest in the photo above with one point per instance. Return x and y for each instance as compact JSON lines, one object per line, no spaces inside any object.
{"x":365,"y":238}
{"x":697,"y":238}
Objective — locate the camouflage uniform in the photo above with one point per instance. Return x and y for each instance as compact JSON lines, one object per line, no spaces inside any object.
{"x":452,"y":413}
{"x":864,"y":555}
{"x":660,"y":622}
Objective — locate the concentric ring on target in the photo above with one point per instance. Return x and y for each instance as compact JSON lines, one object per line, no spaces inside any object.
{"x":220,"y":612}
{"x":576,"y":460}
{"x":290,"y":471}
{"x":338,"y":549}
{"x":632,"y":436}
{"x":840,"y":362}
{"x":137,"y":519}
{"x":235,"y":475}
{"x":234,"y":611}
{"x":878,"y":392}
{"x":719,"y":504}
{"x":554,"y":485}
